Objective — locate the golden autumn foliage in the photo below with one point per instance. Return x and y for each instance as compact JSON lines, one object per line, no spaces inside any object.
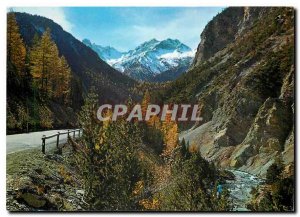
{"x":145,"y":103}
{"x":170,"y":132}
{"x":36,"y":75}
{"x":51,"y":72}
{"x":43,"y":56}
{"x":138,"y":188}
{"x":113,"y":173}
{"x":168,"y":128}
{"x":154,"y":121}
{"x":103,"y":129}
{"x":193,"y":148}
{"x":171,"y":138}
{"x":46,"y":117}
{"x":62,"y":79}
{"x":16,"y":51}
{"x":150,"y":204}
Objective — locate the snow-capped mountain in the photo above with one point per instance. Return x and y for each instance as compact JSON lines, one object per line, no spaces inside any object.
{"x":151,"y":61}
{"x":105,"y":53}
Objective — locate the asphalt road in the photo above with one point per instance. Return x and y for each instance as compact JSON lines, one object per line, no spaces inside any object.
{"x":20,"y":142}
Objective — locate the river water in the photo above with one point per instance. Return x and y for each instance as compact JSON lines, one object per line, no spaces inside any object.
{"x":241,"y":187}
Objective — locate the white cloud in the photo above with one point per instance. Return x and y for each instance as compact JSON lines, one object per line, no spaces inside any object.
{"x":54,"y":13}
{"x":185,"y":26}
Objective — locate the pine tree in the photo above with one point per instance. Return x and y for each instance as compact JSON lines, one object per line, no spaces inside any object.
{"x":88,"y":121}
{"x":192,"y":186}
{"x":184,"y":149}
{"x":111,"y":167}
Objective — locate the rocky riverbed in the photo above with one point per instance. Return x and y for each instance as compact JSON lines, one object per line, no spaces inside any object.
{"x":240,"y":188}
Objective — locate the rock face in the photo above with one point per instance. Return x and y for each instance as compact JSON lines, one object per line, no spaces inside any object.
{"x":218,"y":33}
{"x":243,"y":80}
{"x":224,"y":29}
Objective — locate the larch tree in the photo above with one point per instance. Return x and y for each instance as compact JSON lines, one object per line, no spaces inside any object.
{"x":145,"y":103}
{"x":50,"y":72}
{"x":61,"y":80}
{"x":41,"y":60}
{"x":16,"y":51}
{"x":170,"y":133}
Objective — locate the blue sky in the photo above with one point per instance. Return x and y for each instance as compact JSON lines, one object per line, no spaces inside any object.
{"x":126,"y":27}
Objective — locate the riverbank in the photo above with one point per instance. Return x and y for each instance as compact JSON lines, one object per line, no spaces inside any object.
{"x":240,"y":189}
{"x":51,"y":182}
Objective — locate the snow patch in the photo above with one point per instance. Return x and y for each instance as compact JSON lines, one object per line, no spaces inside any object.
{"x":178,"y":55}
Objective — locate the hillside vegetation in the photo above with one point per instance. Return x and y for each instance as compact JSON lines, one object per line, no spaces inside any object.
{"x":245,"y":89}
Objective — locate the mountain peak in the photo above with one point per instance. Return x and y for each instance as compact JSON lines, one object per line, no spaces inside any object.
{"x":173,"y":44}
{"x":105,"y":53}
{"x":172,"y":40}
{"x":153,"y":40}
{"x":154,"y":57}
{"x":87,"y":42}
{"x":149,"y":59}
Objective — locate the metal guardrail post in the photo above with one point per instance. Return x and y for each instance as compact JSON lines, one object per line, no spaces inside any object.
{"x":43,"y":144}
{"x":74,"y":133}
{"x":57,"y":142}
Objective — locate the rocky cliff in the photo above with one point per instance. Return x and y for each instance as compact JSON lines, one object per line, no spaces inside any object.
{"x":243,"y":79}
{"x":225,"y":28}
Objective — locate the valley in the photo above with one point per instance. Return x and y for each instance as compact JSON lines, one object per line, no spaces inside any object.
{"x":238,"y":156}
